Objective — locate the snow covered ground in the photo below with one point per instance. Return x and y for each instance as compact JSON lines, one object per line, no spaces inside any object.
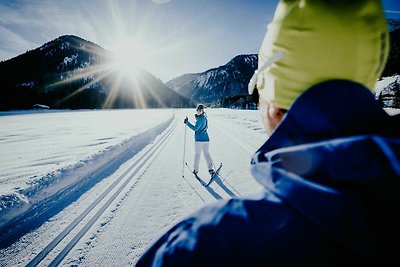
{"x":40,"y":149}
{"x":35,"y":144}
{"x":44,"y":153}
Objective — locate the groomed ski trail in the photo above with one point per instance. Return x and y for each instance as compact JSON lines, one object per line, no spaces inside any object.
{"x":163,"y":197}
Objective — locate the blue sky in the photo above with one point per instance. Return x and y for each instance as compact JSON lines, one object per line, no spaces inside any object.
{"x":167,"y":37}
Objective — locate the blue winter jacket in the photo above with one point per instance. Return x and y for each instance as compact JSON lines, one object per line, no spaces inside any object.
{"x":200,"y":128}
{"x":331,"y":171}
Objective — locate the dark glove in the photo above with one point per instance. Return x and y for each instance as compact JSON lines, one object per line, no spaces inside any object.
{"x":185,"y":120}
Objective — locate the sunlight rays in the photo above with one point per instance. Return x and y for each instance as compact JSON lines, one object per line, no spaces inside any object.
{"x":156,"y":96}
{"x":122,"y":69}
{"x":110,"y":100}
{"x":120,"y":72}
{"x":86,"y":86}
{"x":137,"y":95}
{"x":73,"y":76}
{"x":128,"y":56}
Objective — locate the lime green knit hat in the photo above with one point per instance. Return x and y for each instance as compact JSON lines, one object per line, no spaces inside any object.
{"x":312,"y":41}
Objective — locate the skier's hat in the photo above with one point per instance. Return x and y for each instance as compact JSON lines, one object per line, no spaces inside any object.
{"x":200,"y":107}
{"x":311,"y":41}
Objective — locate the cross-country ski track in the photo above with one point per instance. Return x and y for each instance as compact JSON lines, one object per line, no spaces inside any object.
{"x":114,"y":222}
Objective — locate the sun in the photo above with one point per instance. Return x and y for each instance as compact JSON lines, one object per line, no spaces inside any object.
{"x":129,"y":56}
{"x":128,"y":69}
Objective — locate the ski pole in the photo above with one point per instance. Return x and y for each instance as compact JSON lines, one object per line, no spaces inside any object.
{"x":184,"y":151}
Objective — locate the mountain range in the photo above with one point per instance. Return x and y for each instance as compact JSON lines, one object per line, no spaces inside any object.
{"x":226,"y":86}
{"x":218,"y":86}
{"x":70,"y":72}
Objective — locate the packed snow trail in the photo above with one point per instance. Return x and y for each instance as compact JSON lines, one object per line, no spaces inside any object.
{"x":163,"y":196}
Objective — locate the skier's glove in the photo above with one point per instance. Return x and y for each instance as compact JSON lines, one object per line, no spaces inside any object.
{"x":185,"y":120}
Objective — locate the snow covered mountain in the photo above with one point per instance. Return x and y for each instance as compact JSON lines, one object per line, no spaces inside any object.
{"x":70,"y":72}
{"x":216,"y":85}
{"x":387,"y":91}
{"x":393,"y":24}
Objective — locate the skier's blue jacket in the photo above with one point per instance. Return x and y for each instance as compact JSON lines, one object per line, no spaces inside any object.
{"x":331,"y":171}
{"x":200,"y":128}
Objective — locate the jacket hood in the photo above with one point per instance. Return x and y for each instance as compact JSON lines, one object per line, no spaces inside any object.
{"x":338,"y":165}
{"x":305,"y":30}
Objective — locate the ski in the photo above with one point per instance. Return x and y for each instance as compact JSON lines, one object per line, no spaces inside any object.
{"x":201,"y":180}
{"x":214,"y":175}
{"x":196,"y":176}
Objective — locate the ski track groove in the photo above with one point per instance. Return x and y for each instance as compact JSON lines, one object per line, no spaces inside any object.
{"x":144,"y":159}
{"x":161,"y":199}
{"x":116,"y":255}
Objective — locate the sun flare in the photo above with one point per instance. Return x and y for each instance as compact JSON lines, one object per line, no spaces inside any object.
{"x":128,"y":57}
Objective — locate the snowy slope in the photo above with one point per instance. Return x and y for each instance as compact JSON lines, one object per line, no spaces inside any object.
{"x":154,"y":198}
{"x":384,"y":83}
{"x":387,"y":91}
{"x":216,"y":84}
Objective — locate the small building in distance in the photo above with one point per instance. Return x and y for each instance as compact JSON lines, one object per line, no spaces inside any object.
{"x":39,"y":106}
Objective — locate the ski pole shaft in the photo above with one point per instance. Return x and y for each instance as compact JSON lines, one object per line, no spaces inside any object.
{"x":184,"y":152}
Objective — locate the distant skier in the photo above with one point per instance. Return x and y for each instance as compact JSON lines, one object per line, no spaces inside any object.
{"x":331,"y":165}
{"x":201,"y":138}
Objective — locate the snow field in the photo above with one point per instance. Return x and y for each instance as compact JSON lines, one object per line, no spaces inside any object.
{"x":27,"y":248}
{"x":155,"y":199}
{"x":41,"y":150}
{"x":35,"y":144}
